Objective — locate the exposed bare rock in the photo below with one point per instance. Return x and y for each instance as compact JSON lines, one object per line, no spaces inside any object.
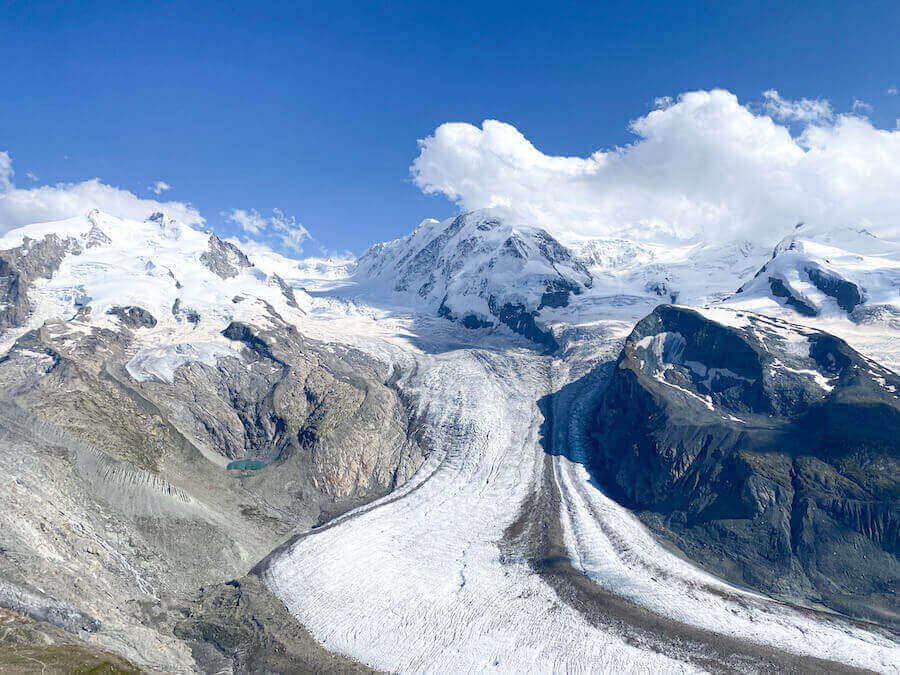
{"x":127,"y":490}
{"x":96,"y":237}
{"x":768,"y":452}
{"x":133,"y":317}
{"x":224,"y":258}
{"x":286,"y":290}
{"x":185,"y":313}
{"x":21,"y":266}
{"x":244,"y":627}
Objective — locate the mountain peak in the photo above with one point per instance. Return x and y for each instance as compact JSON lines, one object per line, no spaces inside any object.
{"x":480,"y":270}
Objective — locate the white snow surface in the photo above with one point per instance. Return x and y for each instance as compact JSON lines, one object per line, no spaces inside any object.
{"x":463,"y":262}
{"x":850,"y":254}
{"x":149,"y":264}
{"x":161,"y":363}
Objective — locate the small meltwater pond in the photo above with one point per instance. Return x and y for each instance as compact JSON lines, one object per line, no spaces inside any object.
{"x":245,"y":465}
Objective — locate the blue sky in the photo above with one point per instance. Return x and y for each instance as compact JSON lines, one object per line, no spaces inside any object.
{"x":315,"y":108}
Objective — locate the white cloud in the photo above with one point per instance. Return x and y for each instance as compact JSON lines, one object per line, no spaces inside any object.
{"x":31,"y":176}
{"x":159,"y":187}
{"x":249,"y":221}
{"x":801,"y":110}
{"x":278,"y":230}
{"x":893,"y":91}
{"x":861,"y":107}
{"x":703,"y":166}
{"x":23,"y":206}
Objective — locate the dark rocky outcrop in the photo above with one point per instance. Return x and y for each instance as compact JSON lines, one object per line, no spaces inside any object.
{"x":182,"y":313}
{"x":224,"y":258}
{"x":21,"y":266}
{"x":519,"y":320}
{"x":846,"y":293}
{"x":768,"y":453}
{"x":133,"y":316}
{"x":514,"y":316}
{"x":794,"y":299}
{"x":286,"y":291}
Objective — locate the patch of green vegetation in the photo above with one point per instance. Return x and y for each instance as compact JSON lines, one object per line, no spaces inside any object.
{"x":62,"y":659}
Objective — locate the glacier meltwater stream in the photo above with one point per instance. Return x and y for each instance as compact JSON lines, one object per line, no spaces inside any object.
{"x":500,"y":554}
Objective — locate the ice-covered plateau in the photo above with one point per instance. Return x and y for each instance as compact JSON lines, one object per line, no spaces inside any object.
{"x":476,"y":448}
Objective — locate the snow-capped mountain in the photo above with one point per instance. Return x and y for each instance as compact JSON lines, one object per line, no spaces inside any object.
{"x":100,"y":269}
{"x":480,"y":271}
{"x":847,"y":273}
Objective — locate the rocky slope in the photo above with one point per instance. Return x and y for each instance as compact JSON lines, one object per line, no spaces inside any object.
{"x":765,"y":450}
{"x":158,"y":449}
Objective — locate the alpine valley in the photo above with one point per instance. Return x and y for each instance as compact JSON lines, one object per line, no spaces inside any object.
{"x":474,"y":448}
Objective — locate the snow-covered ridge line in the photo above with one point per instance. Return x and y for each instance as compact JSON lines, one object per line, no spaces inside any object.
{"x":105,"y":271}
{"x":478,"y":270}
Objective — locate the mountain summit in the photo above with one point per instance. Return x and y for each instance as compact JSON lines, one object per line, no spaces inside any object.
{"x":480,"y":271}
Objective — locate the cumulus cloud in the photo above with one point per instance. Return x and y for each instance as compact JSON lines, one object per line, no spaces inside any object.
{"x":23,"y":206}
{"x":703,"y":166}
{"x":801,"y":110}
{"x":278,"y":230}
{"x":31,"y":176}
{"x":861,"y":107}
{"x":159,"y":187}
{"x":249,"y":221}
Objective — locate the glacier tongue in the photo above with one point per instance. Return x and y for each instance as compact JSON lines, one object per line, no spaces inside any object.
{"x":416,"y":581}
{"x":427,"y":578}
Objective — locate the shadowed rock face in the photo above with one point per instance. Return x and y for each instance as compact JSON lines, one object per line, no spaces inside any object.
{"x":133,"y":317}
{"x":224,"y":258}
{"x":847,"y":294}
{"x":21,"y":266}
{"x":766,"y":452}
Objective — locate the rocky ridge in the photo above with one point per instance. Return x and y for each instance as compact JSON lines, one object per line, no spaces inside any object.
{"x":764,"y":449}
